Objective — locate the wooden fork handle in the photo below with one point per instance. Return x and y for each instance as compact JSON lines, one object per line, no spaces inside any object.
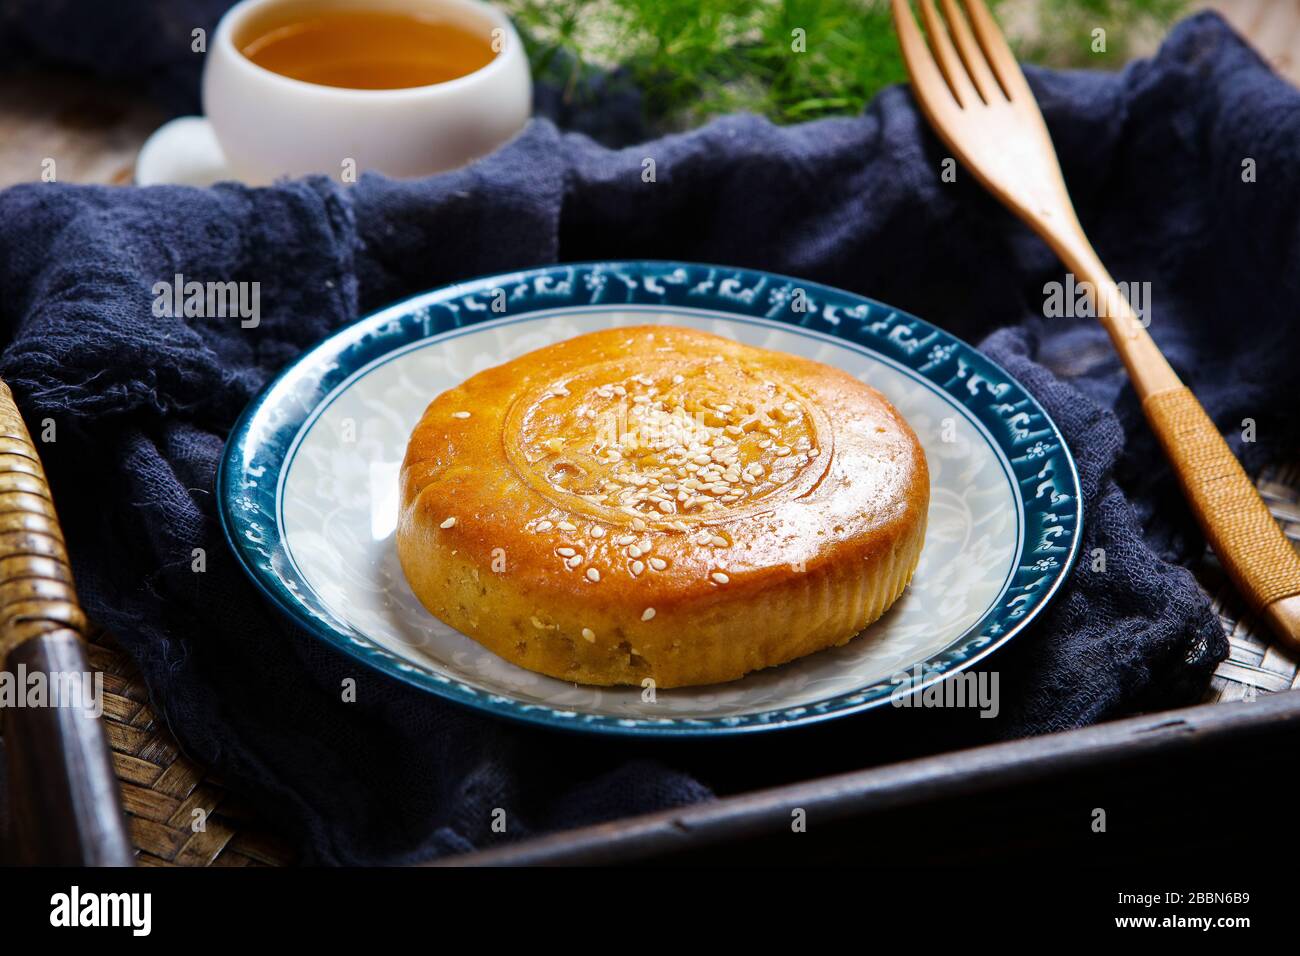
{"x":1257,"y":556}
{"x":1244,"y":535}
{"x":64,"y":804}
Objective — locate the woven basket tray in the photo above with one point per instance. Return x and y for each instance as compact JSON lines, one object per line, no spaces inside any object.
{"x":162,"y":788}
{"x":97,"y":134}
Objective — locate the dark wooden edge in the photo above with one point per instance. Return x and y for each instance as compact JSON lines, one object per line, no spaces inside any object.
{"x":878,"y":790}
{"x":65,"y":808}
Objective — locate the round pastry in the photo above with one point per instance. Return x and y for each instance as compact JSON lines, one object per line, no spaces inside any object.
{"x":656,"y":502}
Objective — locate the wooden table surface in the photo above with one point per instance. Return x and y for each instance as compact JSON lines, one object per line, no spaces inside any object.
{"x":92,"y":132}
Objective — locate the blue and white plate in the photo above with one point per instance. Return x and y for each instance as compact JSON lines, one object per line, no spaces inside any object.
{"x":309,"y":497}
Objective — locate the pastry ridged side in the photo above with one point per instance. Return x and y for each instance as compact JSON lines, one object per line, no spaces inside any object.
{"x":811,"y":612}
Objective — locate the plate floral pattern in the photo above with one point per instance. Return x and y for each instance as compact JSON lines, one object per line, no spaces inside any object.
{"x":308,"y":488}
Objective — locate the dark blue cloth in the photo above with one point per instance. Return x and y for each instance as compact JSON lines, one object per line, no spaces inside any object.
{"x":142,"y":405}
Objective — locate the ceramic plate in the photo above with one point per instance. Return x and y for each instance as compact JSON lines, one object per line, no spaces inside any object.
{"x":309,"y":498}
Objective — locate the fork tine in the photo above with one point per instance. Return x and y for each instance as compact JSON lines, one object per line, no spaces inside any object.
{"x":971,"y":54}
{"x":927,"y":81}
{"x":958,"y":79}
{"x":996,"y":50}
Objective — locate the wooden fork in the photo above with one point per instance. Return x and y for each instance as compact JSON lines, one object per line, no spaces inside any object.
{"x":974,"y":95}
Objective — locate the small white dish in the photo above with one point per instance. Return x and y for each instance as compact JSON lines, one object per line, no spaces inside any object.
{"x":183,"y":152}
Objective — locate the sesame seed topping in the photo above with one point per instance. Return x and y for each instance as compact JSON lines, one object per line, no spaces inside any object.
{"x":574,"y":561}
{"x":566,"y":552}
{"x":597,"y":531}
{"x":719,"y":577}
{"x":589,"y":635}
{"x":658,"y":563}
{"x":677,"y":451}
{"x":625,"y":539}
{"x":449,"y":523}
{"x":544,"y":526}
{"x":718,"y":541}
{"x":593,"y":575}
{"x":648,"y":614}
{"x":638,"y":567}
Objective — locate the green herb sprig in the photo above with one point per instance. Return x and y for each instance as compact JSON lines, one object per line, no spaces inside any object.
{"x":789,"y":60}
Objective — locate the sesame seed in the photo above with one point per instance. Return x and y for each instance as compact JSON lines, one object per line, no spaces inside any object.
{"x":574,"y":561}
{"x":544,"y":526}
{"x":566,"y":552}
{"x":719,"y":577}
{"x":638,"y":524}
{"x":648,"y":614}
{"x":658,"y":563}
{"x":589,"y":635}
{"x":593,"y":575}
{"x":638,"y":567}
{"x":597,"y":531}
{"x":718,"y":541}
{"x":460,"y":414}
{"x":567,"y":526}
{"x":634,"y":552}
{"x":449,"y":523}
{"x":626,"y":539}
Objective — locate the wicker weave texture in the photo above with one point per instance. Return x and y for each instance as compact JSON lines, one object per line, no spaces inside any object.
{"x":162,"y":788}
{"x":1254,"y":665}
{"x":1259,"y":559}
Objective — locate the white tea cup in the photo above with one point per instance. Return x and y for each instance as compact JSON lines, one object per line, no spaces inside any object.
{"x":270,"y":125}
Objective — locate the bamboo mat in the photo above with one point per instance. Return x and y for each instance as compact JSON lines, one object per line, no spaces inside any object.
{"x":162,"y":788}
{"x":179,"y":814}
{"x":1254,"y":666}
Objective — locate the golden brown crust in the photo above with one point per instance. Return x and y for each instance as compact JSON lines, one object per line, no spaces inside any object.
{"x":656,"y":502}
